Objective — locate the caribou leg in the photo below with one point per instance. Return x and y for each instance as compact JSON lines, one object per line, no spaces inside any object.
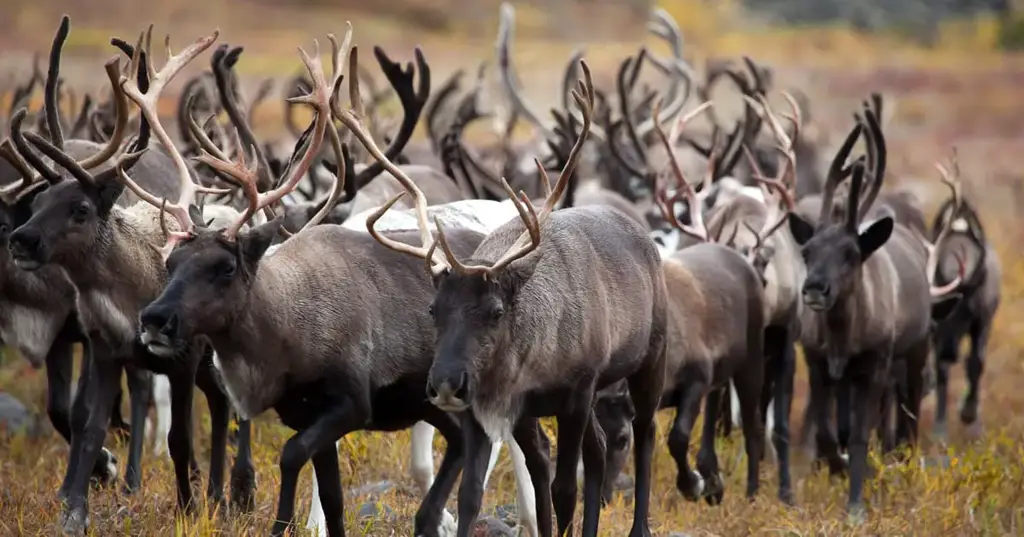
{"x":645,"y":389}
{"x":908,"y":402}
{"x":326,"y":429}
{"x":220,"y":415}
{"x":822,"y":396}
{"x":98,"y":393}
{"x":707,"y":459}
{"x":594,"y":447}
{"x":748,"y":382}
{"x":243,"y":474}
{"x":779,"y":342}
{"x":325,"y":468}
{"x":179,"y":438}
{"x":430,"y":515}
{"x":140,"y":388}
{"x":572,"y":425}
{"x":866,"y":384}
{"x":691,"y":390}
{"x":536,"y":454}
{"x":477,"y":447}
{"x":947,"y":343}
{"x":975,"y":365}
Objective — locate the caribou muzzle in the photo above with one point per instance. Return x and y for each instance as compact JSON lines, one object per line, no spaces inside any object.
{"x":159,"y":329}
{"x":449,"y":392}
{"x":27,"y":248}
{"x":817,"y":296}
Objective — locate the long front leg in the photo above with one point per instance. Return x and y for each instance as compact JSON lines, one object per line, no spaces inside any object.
{"x":100,"y":391}
{"x":428,"y":519}
{"x":243,"y":473}
{"x":326,"y":471}
{"x":329,"y":427}
{"x":179,"y":439}
{"x":822,"y":397}
{"x":140,"y":383}
{"x":220,"y":415}
{"x":865,"y":391}
{"x":534,"y":446}
{"x":471,"y":489}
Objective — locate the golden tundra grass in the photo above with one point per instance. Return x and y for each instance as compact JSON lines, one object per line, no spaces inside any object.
{"x":936,"y":101}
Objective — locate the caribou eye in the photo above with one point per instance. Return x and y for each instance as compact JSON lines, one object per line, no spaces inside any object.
{"x":497,"y":312}
{"x":80,"y":211}
{"x":430,"y":310}
{"x":227,"y":270}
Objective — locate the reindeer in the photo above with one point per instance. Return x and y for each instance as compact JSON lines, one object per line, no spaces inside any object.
{"x":754,"y":227}
{"x":716,"y":320}
{"x":980,"y":292}
{"x":41,"y":321}
{"x":254,"y":310}
{"x":503,"y":316}
{"x":867,"y":309}
{"x":106,"y":251}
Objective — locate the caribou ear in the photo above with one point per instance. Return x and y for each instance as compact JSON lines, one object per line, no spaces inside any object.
{"x":801,"y":230}
{"x":105,"y":194}
{"x":945,"y":307}
{"x":874,"y":236}
{"x":255,"y":241}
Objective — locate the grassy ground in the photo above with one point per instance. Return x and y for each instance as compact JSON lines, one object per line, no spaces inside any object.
{"x":960,"y":93}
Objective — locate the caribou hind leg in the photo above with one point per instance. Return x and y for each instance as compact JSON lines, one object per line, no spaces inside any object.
{"x":594,"y":450}
{"x":975,"y":365}
{"x":707,"y":459}
{"x":947,"y":345}
{"x":687,"y":402}
{"x":748,"y":388}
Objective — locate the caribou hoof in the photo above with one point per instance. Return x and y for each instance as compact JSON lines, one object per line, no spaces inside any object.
{"x":243,"y":487}
{"x":74,"y":521}
{"x":693,"y":488}
{"x":856,"y":513}
{"x":714,"y":490}
{"x":968,"y":412}
{"x":104,"y":472}
{"x":787,"y":497}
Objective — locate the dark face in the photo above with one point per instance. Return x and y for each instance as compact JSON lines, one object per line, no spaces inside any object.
{"x":614,"y":413}
{"x":470,"y":319}
{"x":834,"y":256}
{"x":65,"y":224}
{"x":208,"y":280}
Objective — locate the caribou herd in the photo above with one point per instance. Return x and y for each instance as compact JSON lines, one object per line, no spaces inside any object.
{"x":674,"y":259}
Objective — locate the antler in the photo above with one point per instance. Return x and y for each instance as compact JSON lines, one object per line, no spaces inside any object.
{"x":934,"y":250}
{"x":532,"y":218}
{"x":697,"y":229}
{"x":319,"y":98}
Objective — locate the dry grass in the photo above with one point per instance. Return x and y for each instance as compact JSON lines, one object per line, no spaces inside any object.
{"x":961,"y":93}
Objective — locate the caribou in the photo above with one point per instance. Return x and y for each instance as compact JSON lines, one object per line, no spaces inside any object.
{"x":105,"y":250}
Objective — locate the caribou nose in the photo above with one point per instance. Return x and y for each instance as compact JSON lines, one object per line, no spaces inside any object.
{"x":161,"y":319}
{"x":25,"y":242}
{"x":449,"y":392}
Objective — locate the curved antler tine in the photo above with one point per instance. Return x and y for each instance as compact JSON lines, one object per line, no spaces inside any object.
{"x":113,"y":69}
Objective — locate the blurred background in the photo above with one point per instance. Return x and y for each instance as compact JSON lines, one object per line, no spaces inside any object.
{"x":949,"y":70}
